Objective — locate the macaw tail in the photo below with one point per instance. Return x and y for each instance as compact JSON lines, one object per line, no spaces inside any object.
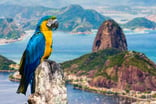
{"x":22,"y":88}
{"x":27,"y":74}
{"x":24,"y":85}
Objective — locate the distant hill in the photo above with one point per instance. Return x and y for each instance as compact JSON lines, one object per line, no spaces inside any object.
{"x":27,"y":12}
{"x":9,"y":29}
{"x":26,"y":16}
{"x":72,"y":18}
{"x":75,"y":18}
{"x":140,"y":22}
{"x":5,"y":63}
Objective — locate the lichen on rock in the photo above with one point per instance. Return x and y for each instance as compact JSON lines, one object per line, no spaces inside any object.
{"x":49,"y":85}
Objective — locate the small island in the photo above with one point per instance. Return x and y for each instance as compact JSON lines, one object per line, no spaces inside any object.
{"x":140,"y":24}
{"x":7,"y":65}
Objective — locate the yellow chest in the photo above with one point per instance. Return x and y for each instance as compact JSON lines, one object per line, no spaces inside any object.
{"x":48,"y":41}
{"x":48,"y":44}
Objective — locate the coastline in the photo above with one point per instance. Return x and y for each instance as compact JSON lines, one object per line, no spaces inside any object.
{"x":94,"y":31}
{"x":133,"y":99}
{"x":6,"y":41}
{"x":8,"y":71}
{"x":81,"y":82}
{"x":23,"y":36}
{"x":78,"y":33}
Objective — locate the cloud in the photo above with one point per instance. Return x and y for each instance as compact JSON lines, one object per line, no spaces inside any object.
{"x":61,"y":3}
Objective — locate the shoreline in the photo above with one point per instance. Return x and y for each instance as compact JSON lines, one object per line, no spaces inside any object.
{"x":81,"y":82}
{"x":8,"y":71}
{"x":6,"y":41}
{"x":22,"y":37}
{"x":16,"y":78}
{"x":135,"y":100}
{"x":78,"y":33}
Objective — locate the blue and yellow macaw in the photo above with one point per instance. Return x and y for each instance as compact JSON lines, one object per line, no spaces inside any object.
{"x":38,"y":48}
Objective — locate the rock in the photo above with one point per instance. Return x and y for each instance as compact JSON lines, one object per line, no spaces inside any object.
{"x":109,"y":35}
{"x":49,"y":85}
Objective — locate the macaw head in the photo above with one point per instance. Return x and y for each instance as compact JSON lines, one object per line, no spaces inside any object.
{"x":47,"y":23}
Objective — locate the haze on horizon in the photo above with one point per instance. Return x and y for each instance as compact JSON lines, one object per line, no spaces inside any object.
{"x":85,"y":3}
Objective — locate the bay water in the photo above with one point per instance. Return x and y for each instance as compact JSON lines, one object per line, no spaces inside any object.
{"x":67,"y":47}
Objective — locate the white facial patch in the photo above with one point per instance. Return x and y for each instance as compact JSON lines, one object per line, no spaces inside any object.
{"x":50,"y":22}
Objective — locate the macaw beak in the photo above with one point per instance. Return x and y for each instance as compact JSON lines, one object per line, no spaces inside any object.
{"x":53,"y":24}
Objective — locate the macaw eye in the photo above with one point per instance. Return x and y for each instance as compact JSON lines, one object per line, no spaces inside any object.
{"x":50,"y":22}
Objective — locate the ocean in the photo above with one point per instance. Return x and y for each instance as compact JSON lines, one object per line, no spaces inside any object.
{"x":67,"y":47}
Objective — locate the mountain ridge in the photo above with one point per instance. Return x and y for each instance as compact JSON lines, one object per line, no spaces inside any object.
{"x":9,"y":29}
{"x":82,"y":19}
{"x":140,"y":22}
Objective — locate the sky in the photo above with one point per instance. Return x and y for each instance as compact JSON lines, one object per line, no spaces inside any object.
{"x":94,"y":3}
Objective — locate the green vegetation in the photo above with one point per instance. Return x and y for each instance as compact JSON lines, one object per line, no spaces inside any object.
{"x":5,"y":63}
{"x":140,"y":22}
{"x":154,"y":96}
{"x":92,"y":61}
{"x":143,"y":97}
{"x":107,"y":62}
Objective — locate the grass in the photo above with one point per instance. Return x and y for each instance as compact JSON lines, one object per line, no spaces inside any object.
{"x":114,"y":59}
{"x":91,"y":61}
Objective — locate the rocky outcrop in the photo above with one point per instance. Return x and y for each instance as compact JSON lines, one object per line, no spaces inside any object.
{"x":109,"y":35}
{"x":49,"y":85}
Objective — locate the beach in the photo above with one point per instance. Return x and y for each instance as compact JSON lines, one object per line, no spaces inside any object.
{"x":23,"y":36}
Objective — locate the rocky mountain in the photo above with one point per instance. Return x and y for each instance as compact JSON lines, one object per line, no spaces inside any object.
{"x":109,"y":35}
{"x":9,"y":29}
{"x":140,"y":23}
{"x":112,"y":66}
{"x":5,"y":64}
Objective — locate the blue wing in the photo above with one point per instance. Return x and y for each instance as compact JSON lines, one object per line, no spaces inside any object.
{"x":30,"y":60}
